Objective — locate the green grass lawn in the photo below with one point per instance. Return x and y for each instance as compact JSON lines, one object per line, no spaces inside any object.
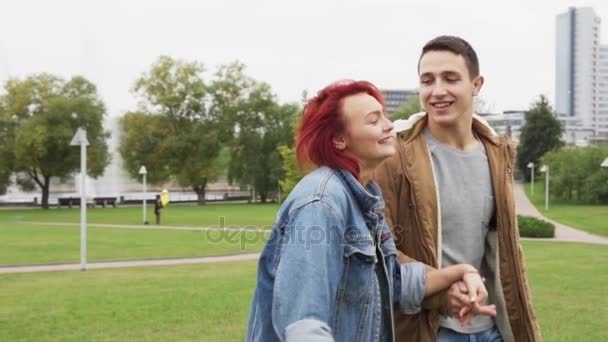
{"x":211,"y":302}
{"x":590,"y":218}
{"x":180,"y":303}
{"x":35,"y":244}
{"x":569,"y":289}
{"x":27,"y":237}
{"x":239,"y":215}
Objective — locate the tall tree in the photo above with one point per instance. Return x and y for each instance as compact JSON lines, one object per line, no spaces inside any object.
{"x":262,"y":126}
{"x":174,"y":132}
{"x":44,"y":112}
{"x":182,"y":122}
{"x":541,"y":134}
{"x":412,"y":106}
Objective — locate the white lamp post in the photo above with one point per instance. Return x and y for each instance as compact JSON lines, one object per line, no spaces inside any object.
{"x":545,"y":169}
{"x":531,"y":166}
{"x":144,"y":172}
{"x":80,"y":139}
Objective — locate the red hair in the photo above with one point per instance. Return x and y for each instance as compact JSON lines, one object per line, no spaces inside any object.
{"x":322,"y":121}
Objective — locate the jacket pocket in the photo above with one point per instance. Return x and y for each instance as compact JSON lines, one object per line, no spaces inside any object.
{"x":359,"y":276}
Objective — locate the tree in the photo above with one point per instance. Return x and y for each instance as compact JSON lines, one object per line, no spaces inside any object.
{"x":45,"y":112}
{"x":291,"y":172}
{"x":263,"y":125}
{"x":540,"y":134}
{"x":412,"y":106}
{"x":7,"y":141}
{"x":576,"y":175}
{"x":177,"y":129}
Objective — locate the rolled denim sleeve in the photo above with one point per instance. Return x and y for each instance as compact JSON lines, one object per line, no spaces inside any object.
{"x":409,"y":286}
{"x":308,"y":275}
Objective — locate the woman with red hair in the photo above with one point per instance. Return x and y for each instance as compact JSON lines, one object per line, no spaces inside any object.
{"x":329,"y":271}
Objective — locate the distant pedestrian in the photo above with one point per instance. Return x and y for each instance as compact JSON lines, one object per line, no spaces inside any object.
{"x":158,"y":205}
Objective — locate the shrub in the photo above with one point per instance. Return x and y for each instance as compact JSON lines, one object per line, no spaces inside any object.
{"x":534,"y":228}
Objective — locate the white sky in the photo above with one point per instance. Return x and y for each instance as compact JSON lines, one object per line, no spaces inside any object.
{"x":292,"y":45}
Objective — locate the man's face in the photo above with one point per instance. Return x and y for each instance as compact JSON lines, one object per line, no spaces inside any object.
{"x":446,"y":88}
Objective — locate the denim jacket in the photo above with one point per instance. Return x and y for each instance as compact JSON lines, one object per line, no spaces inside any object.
{"x":329,"y":271}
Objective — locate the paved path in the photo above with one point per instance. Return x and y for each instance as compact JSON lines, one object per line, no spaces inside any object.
{"x":562,"y":232}
{"x":122,"y":264}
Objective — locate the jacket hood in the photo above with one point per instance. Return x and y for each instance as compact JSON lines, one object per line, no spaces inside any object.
{"x":404,"y":125}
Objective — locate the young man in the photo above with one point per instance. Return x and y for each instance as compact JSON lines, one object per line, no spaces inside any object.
{"x":449,"y":199}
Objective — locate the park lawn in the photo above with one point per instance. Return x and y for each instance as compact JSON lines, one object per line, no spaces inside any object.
{"x":211,"y":302}
{"x":181,"y":303}
{"x":590,"y":218}
{"x":239,"y":215}
{"x":568,"y":284}
{"x":24,"y":243}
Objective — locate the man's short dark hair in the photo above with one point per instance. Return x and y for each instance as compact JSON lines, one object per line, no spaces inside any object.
{"x":457,"y":46}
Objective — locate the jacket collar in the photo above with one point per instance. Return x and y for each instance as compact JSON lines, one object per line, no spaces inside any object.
{"x":414,"y":125}
{"x":368,"y":198}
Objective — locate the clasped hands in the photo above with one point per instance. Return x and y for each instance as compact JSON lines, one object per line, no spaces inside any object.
{"x":467,"y":298}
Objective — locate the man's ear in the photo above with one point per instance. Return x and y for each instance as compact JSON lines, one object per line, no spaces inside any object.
{"x":477,"y":84}
{"x":339,"y":143}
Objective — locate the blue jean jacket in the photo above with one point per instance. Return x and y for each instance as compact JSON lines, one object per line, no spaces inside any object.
{"x":329,"y":270}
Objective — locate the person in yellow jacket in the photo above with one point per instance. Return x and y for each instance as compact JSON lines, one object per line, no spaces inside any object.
{"x":449,"y":199}
{"x":160,"y":202}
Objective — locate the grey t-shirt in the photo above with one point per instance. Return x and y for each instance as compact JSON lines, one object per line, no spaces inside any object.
{"x":467,"y":206}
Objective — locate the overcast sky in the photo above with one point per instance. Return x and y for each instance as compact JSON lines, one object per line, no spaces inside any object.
{"x":292,"y":45}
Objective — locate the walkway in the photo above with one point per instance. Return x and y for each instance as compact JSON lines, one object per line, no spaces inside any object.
{"x":562,"y":232}
{"x":133,"y":263}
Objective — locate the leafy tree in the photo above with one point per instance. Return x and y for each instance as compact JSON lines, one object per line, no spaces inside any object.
{"x":262,"y":126}
{"x":412,"y":106}
{"x":576,"y":175}
{"x":44,"y":112}
{"x":177,"y":128}
{"x":7,"y":146}
{"x":291,"y":172}
{"x":540,"y":134}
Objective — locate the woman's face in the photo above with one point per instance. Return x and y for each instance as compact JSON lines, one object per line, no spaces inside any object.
{"x":368,"y":133}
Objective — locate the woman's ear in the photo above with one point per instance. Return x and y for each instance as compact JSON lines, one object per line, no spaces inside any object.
{"x":339,"y":143}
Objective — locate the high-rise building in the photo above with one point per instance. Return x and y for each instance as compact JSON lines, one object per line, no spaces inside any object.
{"x":394,"y":98}
{"x":580,"y":93}
{"x":601,"y":117}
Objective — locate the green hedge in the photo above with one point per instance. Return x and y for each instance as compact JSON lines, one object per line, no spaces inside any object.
{"x":534,"y":228}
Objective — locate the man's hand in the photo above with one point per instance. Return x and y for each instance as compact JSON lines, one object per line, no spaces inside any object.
{"x":457,"y":297}
{"x":465,"y":306}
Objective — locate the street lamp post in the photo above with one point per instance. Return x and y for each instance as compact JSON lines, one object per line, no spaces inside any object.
{"x":80,"y":139}
{"x":531,"y":166}
{"x":144,"y":172}
{"x":545,"y":169}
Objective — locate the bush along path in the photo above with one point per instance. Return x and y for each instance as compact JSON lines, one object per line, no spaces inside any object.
{"x":562,"y":232}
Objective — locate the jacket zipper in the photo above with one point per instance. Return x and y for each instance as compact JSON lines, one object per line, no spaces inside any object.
{"x":388,"y":305}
